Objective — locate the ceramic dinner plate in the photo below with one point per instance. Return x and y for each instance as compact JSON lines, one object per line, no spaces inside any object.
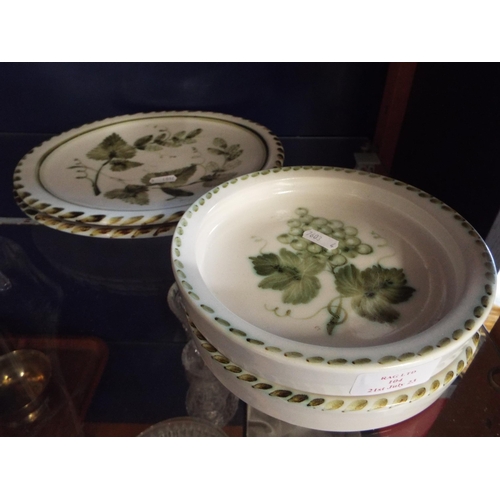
{"x":301,"y":272}
{"x":142,"y":169}
{"x":101,"y":231}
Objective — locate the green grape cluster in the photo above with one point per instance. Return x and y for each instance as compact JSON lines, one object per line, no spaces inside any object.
{"x":349,"y":243}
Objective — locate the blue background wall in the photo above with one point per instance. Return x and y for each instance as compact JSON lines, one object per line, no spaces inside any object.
{"x":322,"y":112}
{"x":292,"y":99}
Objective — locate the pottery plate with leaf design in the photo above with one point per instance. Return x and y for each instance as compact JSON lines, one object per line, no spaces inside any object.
{"x":140,"y":170}
{"x":314,"y":276}
{"x":330,"y":412}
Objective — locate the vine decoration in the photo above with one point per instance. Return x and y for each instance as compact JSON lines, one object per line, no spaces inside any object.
{"x":115,"y":155}
{"x":373,"y":292}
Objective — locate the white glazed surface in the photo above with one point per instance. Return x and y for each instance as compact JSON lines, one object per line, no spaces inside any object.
{"x":339,"y":379}
{"x":167,"y":228}
{"x":332,"y":413}
{"x":108,"y":172}
{"x":443,"y":258}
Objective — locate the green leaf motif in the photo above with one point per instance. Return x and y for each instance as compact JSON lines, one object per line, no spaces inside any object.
{"x":280,"y":280}
{"x":212,"y":166}
{"x":194,"y":133}
{"x":294,"y":275}
{"x":176,"y":141}
{"x":348,"y":281}
{"x":132,"y":193}
{"x":111,"y":147}
{"x":374,"y":308}
{"x":266,"y":264}
{"x":176,"y":192}
{"x":388,"y":283}
{"x":219,"y":142}
{"x":215,"y":179}
{"x":143,"y":141}
{"x":234,"y":152}
{"x":302,"y":290}
{"x":159,"y":139}
{"x":374,"y":290}
{"x":121,"y":165}
{"x":216,"y":151}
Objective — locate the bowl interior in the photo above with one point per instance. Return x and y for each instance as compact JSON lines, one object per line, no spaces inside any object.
{"x":404,"y":265}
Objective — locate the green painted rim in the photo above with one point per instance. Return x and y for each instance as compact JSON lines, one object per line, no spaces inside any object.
{"x":343,"y":403}
{"x":472,"y":320}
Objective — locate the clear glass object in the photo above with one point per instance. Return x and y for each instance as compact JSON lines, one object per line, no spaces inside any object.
{"x":206,"y":397}
{"x":5,"y":283}
{"x":192,"y":362}
{"x":183,"y":427}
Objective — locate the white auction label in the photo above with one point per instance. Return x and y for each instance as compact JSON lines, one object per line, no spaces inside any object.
{"x":162,"y":179}
{"x":321,"y":239}
{"x":395,"y":379}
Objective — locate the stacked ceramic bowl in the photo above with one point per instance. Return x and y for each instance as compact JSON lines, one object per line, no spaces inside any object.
{"x":332,"y":298}
{"x":133,"y":176}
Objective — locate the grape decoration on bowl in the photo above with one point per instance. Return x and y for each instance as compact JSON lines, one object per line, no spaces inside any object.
{"x":373,"y":291}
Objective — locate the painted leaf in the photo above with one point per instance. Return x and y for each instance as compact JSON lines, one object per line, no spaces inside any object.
{"x":160,"y":139}
{"x":220,"y":143}
{"x":266,"y":264}
{"x":311,"y":265}
{"x":279,"y":280}
{"x":176,"y":191}
{"x":111,"y":147}
{"x":301,"y":291}
{"x":289,"y":259}
{"x":183,"y":175}
{"x":132,"y":193}
{"x":212,"y":166}
{"x":216,"y":178}
{"x":193,"y":133}
{"x":374,"y":290}
{"x":374,"y":308}
{"x":293,"y":274}
{"x":234,"y":152}
{"x":348,"y":281}
{"x":121,"y":165}
{"x":216,"y":151}
{"x":177,"y":140}
{"x":142,"y":141}
{"x":396,"y":295}
{"x":390,"y":284}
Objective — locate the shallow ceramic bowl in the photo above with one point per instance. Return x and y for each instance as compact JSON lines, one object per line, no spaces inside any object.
{"x":24,"y":378}
{"x":106,"y":178}
{"x":333,"y":412}
{"x":390,"y":280}
{"x":100,"y":231}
